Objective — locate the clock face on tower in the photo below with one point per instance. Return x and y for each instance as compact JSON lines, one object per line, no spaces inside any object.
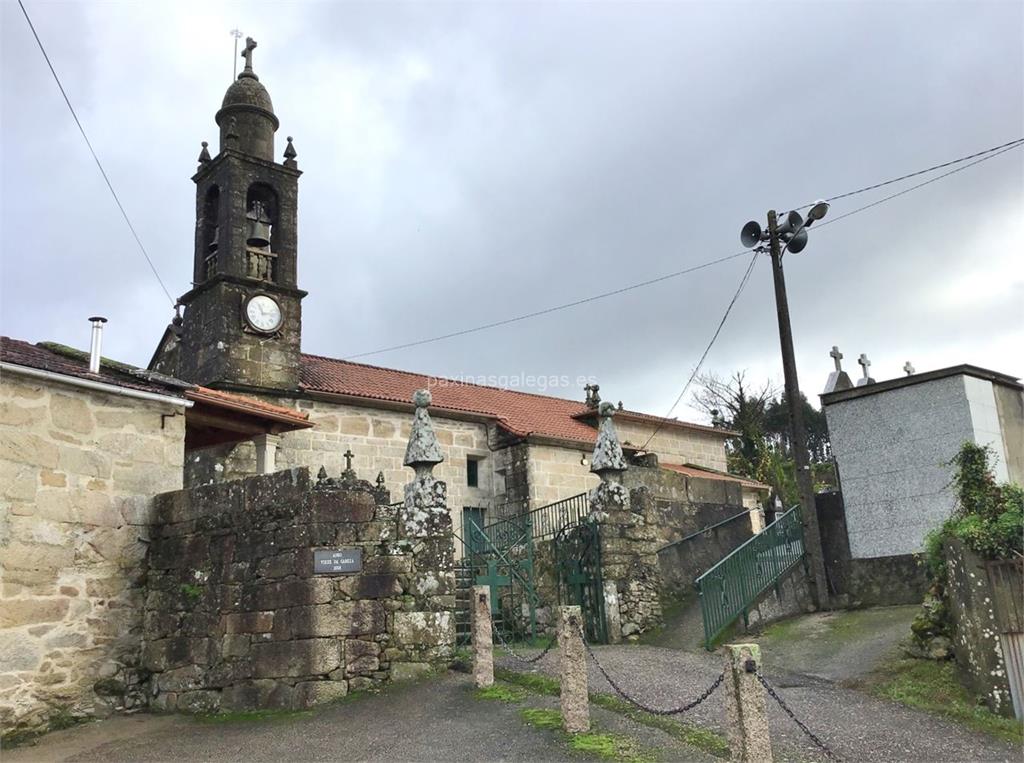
{"x":263,"y":314}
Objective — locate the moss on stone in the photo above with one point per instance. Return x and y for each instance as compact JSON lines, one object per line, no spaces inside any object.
{"x":542,"y":717}
{"x":502,"y":693}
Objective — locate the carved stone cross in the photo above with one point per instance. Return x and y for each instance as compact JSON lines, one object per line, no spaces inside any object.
{"x":837,"y":357}
{"x":250,"y":46}
{"x":864,"y":363}
{"x":908,"y":368}
{"x":349,"y":455}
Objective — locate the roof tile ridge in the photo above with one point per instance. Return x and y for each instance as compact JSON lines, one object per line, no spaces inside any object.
{"x":445,"y":378}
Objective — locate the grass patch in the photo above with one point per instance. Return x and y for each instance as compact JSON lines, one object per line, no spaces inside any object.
{"x":595,"y":743}
{"x":542,"y":718}
{"x":252,"y":716}
{"x":535,"y":682}
{"x":502,"y":693}
{"x":696,"y":736}
{"x":933,"y":687}
{"x":611,"y":747}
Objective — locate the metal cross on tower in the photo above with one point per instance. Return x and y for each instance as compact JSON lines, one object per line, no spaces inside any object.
{"x":837,"y":357}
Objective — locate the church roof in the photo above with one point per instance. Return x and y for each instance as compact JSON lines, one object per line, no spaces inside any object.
{"x":521,"y":413}
{"x":710,"y":474}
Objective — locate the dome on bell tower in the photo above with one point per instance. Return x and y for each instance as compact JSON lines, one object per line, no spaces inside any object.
{"x":246,"y":118}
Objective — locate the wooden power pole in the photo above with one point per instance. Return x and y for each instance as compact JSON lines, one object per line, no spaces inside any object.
{"x":798,"y":434}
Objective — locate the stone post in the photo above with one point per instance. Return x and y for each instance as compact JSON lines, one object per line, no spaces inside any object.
{"x":266,"y":452}
{"x":629,"y":539}
{"x":425,"y":628}
{"x":483,"y":645}
{"x":746,"y":716}
{"x":573,"y":671}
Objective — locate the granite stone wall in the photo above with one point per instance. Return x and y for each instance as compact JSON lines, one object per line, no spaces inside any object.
{"x":377,"y":438}
{"x":973,"y":603}
{"x":682,"y":505}
{"x":237,"y":619}
{"x":78,"y":470}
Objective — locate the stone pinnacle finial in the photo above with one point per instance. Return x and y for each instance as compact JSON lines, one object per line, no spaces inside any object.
{"x":423,"y":451}
{"x":607,"y":461}
{"x":289,"y":154}
{"x":908,"y":368}
{"x":204,"y":155}
{"x":380,"y":479}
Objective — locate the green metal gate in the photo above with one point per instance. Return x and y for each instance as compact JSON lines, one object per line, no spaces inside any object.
{"x":578,"y":561}
{"x":500,"y":556}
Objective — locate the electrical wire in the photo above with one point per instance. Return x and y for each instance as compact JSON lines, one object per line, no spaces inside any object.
{"x":547,"y":310}
{"x":704,"y":355}
{"x":865,"y":189}
{"x":985,"y":155}
{"x":92,"y":151}
{"x":890,"y":197}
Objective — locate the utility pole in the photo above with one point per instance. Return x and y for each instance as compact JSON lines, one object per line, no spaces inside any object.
{"x":798,"y":434}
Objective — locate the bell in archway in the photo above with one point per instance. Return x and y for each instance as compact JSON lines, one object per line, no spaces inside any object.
{"x":212,"y":246}
{"x":258,"y":226}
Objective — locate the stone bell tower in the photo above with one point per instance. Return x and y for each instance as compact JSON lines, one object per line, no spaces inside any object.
{"x":242,"y":321}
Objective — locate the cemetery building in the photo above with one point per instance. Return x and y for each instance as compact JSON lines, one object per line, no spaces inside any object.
{"x":893,"y":441}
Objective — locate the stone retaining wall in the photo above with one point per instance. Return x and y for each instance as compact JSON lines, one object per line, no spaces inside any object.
{"x":236,"y":619}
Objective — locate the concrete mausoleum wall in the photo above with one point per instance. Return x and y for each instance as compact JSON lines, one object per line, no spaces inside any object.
{"x":892,"y":450}
{"x":237,"y":619}
{"x":78,"y":470}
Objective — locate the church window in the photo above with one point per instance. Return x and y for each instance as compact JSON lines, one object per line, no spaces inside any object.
{"x":210,"y":231}
{"x":473,"y":472}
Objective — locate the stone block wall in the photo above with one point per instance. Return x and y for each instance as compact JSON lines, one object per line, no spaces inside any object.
{"x":675,"y":445}
{"x":236,"y":618}
{"x":556,"y":473}
{"x":78,"y":470}
{"x":377,"y":438}
{"x":973,"y":602}
{"x":629,"y":555}
{"x":680,"y":505}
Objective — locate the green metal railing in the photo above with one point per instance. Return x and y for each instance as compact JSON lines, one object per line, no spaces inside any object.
{"x":732,"y":585}
{"x":538,"y":524}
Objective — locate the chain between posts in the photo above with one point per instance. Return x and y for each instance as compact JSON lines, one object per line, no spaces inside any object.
{"x":774,"y":695}
{"x":527,"y":660}
{"x":646,"y":708}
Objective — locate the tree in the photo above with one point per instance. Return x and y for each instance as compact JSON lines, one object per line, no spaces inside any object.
{"x":760,"y":414}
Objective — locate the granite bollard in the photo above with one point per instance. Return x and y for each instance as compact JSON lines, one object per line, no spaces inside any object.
{"x":746,"y":714}
{"x":483,"y":645}
{"x":573,"y":671}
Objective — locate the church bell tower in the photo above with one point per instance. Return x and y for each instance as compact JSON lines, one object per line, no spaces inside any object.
{"x":242,"y":322}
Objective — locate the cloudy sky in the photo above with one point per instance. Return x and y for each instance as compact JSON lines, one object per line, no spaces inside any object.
{"x":466,"y":163}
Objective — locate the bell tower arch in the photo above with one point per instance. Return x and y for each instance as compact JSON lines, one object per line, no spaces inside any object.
{"x":242,"y":320}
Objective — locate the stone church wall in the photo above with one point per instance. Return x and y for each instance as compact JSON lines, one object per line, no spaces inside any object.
{"x":236,"y":618}
{"x":556,"y":473}
{"x":78,"y":470}
{"x":378,"y":439}
{"x":677,"y":446}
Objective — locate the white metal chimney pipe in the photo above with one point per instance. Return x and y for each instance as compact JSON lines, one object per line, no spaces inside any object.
{"x":97,"y":343}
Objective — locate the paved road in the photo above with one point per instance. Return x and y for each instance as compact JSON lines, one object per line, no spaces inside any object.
{"x":858,"y":727}
{"x":437,"y":720}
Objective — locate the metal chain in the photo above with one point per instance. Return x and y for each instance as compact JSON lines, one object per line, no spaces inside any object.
{"x":774,"y":695}
{"x":646,"y":708}
{"x":528,"y":660}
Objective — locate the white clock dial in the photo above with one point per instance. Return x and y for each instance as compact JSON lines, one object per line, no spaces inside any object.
{"x":263,"y":313}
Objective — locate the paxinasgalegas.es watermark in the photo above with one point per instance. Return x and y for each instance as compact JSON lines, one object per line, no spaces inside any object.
{"x":517,"y":381}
